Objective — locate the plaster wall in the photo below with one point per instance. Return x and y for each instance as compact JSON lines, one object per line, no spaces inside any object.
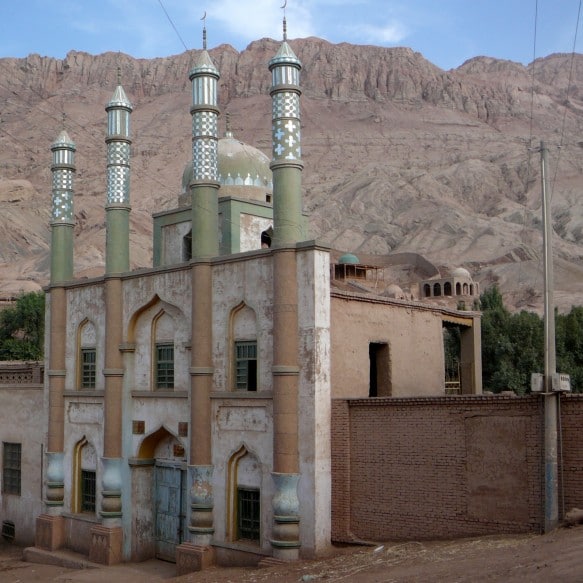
{"x":314,"y":487}
{"x":414,"y":337}
{"x":20,"y":408}
{"x":251,"y":229}
{"x":84,"y":303}
{"x":172,"y":242}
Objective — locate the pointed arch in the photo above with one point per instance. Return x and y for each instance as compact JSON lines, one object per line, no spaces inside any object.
{"x":84,"y":482}
{"x":150,"y":447}
{"x":86,"y":355}
{"x":244,"y":368}
{"x":244,"y":477}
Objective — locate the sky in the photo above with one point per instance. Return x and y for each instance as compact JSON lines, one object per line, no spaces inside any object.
{"x":446,"y":32}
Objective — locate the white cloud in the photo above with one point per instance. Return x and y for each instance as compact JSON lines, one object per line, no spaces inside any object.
{"x":389,"y":33}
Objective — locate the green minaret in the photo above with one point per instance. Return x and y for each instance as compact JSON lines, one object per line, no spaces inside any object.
{"x":205,"y":144}
{"x":286,"y":140}
{"x":117,"y":252}
{"x":62,"y":223}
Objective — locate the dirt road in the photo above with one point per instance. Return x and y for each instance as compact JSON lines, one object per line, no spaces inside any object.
{"x":555,"y":557}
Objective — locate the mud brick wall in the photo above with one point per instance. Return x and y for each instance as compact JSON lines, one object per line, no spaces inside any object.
{"x":571,"y":469}
{"x":423,"y":468}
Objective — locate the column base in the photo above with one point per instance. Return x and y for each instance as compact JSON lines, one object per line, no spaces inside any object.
{"x":50,"y":532}
{"x":191,"y":558}
{"x":106,"y":545}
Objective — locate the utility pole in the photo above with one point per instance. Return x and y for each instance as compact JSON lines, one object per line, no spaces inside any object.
{"x":550,"y":397}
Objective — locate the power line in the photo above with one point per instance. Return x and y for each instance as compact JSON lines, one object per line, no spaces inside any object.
{"x":172,"y":24}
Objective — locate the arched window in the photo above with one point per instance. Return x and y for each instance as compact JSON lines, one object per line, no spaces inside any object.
{"x":187,"y":246}
{"x":458,"y":289}
{"x":447,"y":288}
{"x":426,"y":290}
{"x":465,"y":289}
{"x":163,"y":351}
{"x":84,"y":478}
{"x":86,"y":356}
{"x":244,"y":497}
{"x":436,"y":289}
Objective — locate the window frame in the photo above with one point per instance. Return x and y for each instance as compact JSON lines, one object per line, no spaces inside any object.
{"x":244,"y":371}
{"x":88,"y":370}
{"x":11,"y":468}
{"x":249,"y":511}
{"x":88,"y":491}
{"x":164,"y":367}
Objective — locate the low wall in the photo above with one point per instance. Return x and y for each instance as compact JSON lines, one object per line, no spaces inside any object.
{"x":447,"y":467}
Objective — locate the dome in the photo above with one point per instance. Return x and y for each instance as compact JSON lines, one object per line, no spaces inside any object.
{"x":461,"y":272}
{"x":349,"y":258}
{"x":394,"y":291}
{"x":243,"y":171}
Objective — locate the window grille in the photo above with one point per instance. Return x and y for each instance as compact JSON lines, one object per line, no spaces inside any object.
{"x":165,"y":366}
{"x":88,"y":367}
{"x":249,"y":514}
{"x":11,"y":468}
{"x":246,"y":366}
{"x":88,"y":484}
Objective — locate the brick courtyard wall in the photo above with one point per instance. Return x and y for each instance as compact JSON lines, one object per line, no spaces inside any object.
{"x":425,"y":468}
{"x":571,"y":470}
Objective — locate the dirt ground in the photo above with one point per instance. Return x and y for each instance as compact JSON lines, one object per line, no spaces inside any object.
{"x":555,"y":557}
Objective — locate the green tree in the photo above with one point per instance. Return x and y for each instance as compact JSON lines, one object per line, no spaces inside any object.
{"x":22,"y":328}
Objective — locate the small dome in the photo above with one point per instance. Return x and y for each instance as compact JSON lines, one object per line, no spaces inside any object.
{"x":461,"y":272}
{"x":349,"y":258}
{"x":394,"y":291}
{"x":243,"y":171}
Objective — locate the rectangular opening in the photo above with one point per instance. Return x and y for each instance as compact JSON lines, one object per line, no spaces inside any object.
{"x":379,"y":370}
{"x":11,"y":468}
{"x":88,"y":367}
{"x":165,"y":366}
{"x":8,"y":530}
{"x":249,"y":514}
{"x":88,"y":483}
{"x":246,"y":366}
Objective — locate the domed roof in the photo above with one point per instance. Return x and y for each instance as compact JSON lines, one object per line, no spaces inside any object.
{"x":461,"y":272}
{"x":394,"y":291}
{"x":349,"y":258}
{"x":243,"y":171}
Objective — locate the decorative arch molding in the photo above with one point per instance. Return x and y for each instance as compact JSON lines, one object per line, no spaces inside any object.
{"x":148,"y":446}
{"x":136,"y":316}
{"x":243,"y":330}
{"x":84,"y":458}
{"x":233,"y":482}
{"x":85,"y":339}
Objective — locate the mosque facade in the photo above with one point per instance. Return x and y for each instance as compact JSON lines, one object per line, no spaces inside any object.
{"x":188,"y":403}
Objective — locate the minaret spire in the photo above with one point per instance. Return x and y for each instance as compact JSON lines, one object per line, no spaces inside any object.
{"x":284,"y":22}
{"x":204,"y":32}
{"x":118,"y":180}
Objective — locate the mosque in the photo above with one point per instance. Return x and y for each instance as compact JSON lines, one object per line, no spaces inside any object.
{"x":188,"y":404}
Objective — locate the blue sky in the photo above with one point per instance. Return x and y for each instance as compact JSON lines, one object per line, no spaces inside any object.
{"x":446,"y":32}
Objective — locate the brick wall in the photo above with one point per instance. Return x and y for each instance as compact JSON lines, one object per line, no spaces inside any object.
{"x":437,"y":467}
{"x":571,"y":471}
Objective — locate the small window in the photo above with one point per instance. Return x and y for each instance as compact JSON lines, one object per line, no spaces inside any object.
{"x":165,"y":366}
{"x":88,"y":367}
{"x":11,"y":468}
{"x":249,"y":514}
{"x":246,"y":366}
{"x":187,"y":246}
{"x":87,"y":491}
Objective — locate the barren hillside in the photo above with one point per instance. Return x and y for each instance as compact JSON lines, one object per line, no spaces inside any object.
{"x":399,"y":155}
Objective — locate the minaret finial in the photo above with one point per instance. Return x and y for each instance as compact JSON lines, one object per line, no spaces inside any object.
{"x":284,"y":21}
{"x":204,"y":31}
{"x":64,"y":118}
{"x":228,"y":131}
{"x":118,"y":75}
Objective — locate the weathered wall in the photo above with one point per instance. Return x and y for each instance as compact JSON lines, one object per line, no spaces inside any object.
{"x":414,"y":336}
{"x":435,"y":467}
{"x":21,"y":400}
{"x":572,"y":448}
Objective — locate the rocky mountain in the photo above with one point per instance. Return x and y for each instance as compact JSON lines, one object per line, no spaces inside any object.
{"x":400,"y":156}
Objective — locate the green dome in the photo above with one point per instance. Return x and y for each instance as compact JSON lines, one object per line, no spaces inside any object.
{"x":243,"y":171}
{"x":349,"y":258}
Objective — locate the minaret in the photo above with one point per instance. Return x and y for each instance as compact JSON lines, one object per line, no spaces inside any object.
{"x":118,"y":142}
{"x":50,"y":526}
{"x":205,"y":245}
{"x":286,"y":140}
{"x":287,"y":231}
{"x":205,"y":145}
{"x":63,"y":221}
{"x":106,"y":538}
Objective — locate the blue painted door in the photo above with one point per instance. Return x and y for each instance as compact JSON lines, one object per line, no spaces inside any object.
{"x":170,"y":509}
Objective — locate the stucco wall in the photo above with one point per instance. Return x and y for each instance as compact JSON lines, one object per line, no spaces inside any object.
{"x":414,"y":337}
{"x":21,"y":408}
{"x":436,"y":467}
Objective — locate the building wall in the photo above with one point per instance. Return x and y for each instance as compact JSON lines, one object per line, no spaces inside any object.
{"x":21,"y":400}
{"x":414,"y":336}
{"x":571,"y":409}
{"x":410,"y":469}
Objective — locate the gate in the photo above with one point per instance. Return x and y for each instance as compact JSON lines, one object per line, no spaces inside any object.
{"x":170,"y":509}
